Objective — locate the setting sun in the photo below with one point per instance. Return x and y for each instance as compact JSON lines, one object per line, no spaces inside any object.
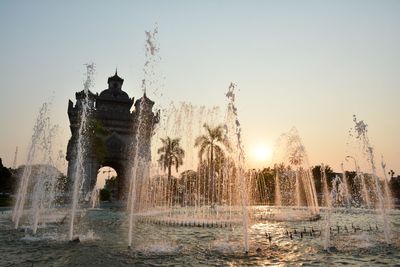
{"x":262,"y":153}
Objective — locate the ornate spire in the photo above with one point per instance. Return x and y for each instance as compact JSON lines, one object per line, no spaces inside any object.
{"x":116,"y":79}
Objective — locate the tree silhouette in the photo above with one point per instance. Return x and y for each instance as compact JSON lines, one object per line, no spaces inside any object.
{"x":212,"y":144}
{"x":171,"y":154}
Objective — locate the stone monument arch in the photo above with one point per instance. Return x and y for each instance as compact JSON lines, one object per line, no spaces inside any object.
{"x":111,"y":109}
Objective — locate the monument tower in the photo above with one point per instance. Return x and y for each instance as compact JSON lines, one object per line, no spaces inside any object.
{"x":111,"y":112}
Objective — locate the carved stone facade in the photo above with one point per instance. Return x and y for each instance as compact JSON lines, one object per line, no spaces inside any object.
{"x":112,"y":109}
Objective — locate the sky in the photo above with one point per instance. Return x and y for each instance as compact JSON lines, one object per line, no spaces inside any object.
{"x":308,"y":64}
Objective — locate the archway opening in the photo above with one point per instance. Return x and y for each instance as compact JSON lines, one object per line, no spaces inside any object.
{"x":106,"y":182}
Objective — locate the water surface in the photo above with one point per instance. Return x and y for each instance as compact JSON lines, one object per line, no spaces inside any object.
{"x":103,"y":242}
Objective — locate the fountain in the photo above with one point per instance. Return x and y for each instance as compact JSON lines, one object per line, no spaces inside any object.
{"x":233,"y":115}
{"x":330,"y":200}
{"x":191,"y":199}
{"x":139,"y":173}
{"x":294,"y":193}
{"x":94,"y":198}
{"x":81,"y":146}
{"x":215,"y":195}
{"x":361,"y":177}
{"x":383,"y":198}
{"x":38,"y":179}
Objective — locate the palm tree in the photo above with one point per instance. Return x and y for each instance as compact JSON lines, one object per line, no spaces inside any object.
{"x":212,"y":144}
{"x":171,"y":154}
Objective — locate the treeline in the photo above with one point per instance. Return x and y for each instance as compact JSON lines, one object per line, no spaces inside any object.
{"x":193,"y":187}
{"x":263,"y":185}
{"x":9,"y":181}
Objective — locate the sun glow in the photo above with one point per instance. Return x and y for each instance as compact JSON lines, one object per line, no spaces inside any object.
{"x":262,"y":153}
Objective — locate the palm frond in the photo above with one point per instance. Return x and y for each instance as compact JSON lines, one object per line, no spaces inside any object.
{"x":170,"y":153}
{"x":200,"y":140}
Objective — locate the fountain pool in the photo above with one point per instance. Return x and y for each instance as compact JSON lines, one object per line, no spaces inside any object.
{"x":103,"y":241}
